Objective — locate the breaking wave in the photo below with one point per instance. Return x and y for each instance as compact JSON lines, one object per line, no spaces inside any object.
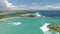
{"x":15,"y":23}
{"x":45,"y":29}
{"x":39,"y":15}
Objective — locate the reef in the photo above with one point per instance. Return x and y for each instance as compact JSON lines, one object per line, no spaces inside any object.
{"x":54,"y":27}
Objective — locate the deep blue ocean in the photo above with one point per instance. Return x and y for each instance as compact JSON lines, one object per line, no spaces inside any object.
{"x":50,"y":13}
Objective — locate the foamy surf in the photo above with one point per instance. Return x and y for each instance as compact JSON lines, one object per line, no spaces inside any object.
{"x":45,"y":29}
{"x":48,"y":32}
{"x":38,"y":15}
{"x":58,"y":33}
{"x":15,"y":23}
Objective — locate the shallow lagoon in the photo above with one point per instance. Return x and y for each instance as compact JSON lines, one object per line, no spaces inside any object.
{"x":28,"y":25}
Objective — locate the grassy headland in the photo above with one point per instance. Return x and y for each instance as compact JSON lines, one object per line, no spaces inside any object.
{"x":17,"y":14}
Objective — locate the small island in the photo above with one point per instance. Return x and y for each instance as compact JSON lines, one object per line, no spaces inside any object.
{"x":54,"y":27}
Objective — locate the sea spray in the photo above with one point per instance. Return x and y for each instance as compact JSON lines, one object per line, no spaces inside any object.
{"x":48,"y":32}
{"x":45,"y":29}
{"x":38,"y":15}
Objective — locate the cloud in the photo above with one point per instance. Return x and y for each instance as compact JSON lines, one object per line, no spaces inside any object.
{"x":48,"y":7}
{"x":57,"y":7}
{"x":5,"y":5}
{"x":19,"y":7}
{"x":9,"y":5}
{"x":2,"y":4}
{"x":35,"y":3}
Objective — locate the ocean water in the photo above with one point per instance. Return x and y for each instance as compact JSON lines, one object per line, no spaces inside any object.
{"x":27,"y":25}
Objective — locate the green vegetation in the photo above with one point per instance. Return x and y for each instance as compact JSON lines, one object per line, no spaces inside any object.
{"x":54,"y":27}
{"x":17,"y":14}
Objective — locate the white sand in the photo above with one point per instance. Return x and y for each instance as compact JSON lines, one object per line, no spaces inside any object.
{"x":7,"y":18}
{"x":2,"y":19}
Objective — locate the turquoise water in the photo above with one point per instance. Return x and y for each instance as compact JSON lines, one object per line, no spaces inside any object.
{"x":28,"y":25}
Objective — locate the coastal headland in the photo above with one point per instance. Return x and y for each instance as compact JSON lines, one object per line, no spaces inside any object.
{"x":17,"y":14}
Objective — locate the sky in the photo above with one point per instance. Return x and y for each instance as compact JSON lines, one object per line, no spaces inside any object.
{"x":29,"y":4}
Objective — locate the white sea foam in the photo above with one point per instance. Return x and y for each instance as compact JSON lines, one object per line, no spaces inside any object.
{"x":37,"y":14}
{"x":48,"y":32}
{"x":44,"y":28}
{"x":58,"y":33}
{"x":15,"y":23}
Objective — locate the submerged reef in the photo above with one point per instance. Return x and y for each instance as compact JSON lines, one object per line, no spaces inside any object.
{"x":54,"y":27}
